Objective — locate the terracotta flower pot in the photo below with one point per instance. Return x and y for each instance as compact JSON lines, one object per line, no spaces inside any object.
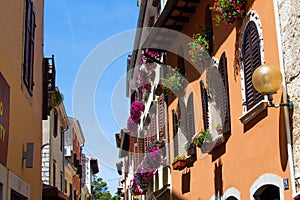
{"x":206,"y":147}
{"x":179,"y":164}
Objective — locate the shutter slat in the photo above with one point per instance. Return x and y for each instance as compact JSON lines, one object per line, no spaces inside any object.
{"x":204,"y":100}
{"x":251,"y":60}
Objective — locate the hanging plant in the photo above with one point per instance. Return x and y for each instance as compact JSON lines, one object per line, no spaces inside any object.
{"x":227,"y":11}
{"x":201,"y":46}
{"x":204,"y":136}
{"x":54,"y":99}
{"x":173,"y":83}
{"x":136,"y":110}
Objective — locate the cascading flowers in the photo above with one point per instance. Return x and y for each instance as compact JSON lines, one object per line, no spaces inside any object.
{"x":227,"y":11}
{"x":201,"y":46}
{"x":136,"y":110}
{"x":153,"y":159}
{"x":174,"y":82}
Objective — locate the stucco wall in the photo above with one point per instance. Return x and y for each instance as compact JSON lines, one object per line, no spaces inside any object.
{"x":25,"y":122}
{"x":290,"y":33}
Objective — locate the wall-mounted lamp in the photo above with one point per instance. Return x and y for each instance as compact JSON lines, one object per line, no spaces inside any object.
{"x":267,"y":80}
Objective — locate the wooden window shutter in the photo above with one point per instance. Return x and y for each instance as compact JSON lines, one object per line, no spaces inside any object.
{"x":135,"y":155}
{"x":29,"y":46}
{"x":225,"y":111}
{"x":190,"y":118}
{"x":251,"y":60}
{"x":204,"y":100}
{"x":175,"y":133}
{"x":153,"y":126}
{"x":140,"y":149}
{"x":161,"y":117}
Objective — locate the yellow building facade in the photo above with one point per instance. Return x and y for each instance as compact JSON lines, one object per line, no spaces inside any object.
{"x":21,"y":64}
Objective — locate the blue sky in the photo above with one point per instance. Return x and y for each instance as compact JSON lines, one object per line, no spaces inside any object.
{"x":75,"y":30}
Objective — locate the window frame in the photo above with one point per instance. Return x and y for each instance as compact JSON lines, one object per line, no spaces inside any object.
{"x":29,"y":41}
{"x":252,"y":17}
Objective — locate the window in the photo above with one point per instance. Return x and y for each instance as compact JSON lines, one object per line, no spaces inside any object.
{"x":61,"y":139}
{"x":55,"y":121}
{"x":161,"y":117}
{"x":1,"y":191}
{"x":29,"y":46}
{"x":61,"y":180}
{"x":54,"y":173}
{"x":204,"y":100}
{"x":224,"y":94}
{"x":190,"y":119}
{"x":16,"y":196}
{"x":251,"y":59}
{"x":175,"y":133}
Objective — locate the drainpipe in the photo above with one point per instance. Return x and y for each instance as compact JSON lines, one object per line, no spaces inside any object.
{"x":284,"y":95}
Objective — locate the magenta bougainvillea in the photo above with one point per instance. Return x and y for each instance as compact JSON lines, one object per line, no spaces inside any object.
{"x":136,"y":110}
{"x":148,"y":54}
{"x":153,"y":159}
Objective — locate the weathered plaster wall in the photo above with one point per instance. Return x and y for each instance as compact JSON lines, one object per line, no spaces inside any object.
{"x":290,"y":32}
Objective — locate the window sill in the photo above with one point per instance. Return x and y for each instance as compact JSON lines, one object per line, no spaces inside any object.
{"x":254,"y":112}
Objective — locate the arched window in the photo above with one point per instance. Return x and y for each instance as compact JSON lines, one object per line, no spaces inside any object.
{"x":175,"y":133}
{"x":251,"y":59}
{"x":224,"y":94}
{"x":55,"y":122}
{"x":267,"y":192}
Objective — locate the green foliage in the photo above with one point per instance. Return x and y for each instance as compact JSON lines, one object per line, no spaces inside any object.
{"x":116,"y":197}
{"x":54,"y":99}
{"x":227,"y":11}
{"x":174,"y":82}
{"x":100,"y":190}
{"x":205,"y":136}
{"x":201,"y":45}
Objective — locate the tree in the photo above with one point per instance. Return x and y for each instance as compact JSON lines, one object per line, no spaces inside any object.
{"x":100,"y":189}
{"x":116,"y":197}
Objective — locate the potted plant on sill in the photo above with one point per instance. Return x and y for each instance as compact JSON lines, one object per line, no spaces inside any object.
{"x":227,"y":11}
{"x":219,"y":129}
{"x":190,"y":149}
{"x":204,"y":141}
{"x":179,"y":162}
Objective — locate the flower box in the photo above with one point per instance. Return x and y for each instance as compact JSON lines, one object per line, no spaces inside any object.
{"x":179,"y":164}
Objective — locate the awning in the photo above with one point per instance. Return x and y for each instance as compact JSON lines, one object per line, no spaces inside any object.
{"x":52,"y":193}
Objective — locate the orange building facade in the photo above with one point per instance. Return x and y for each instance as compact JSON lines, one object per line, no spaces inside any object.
{"x":247,"y":153}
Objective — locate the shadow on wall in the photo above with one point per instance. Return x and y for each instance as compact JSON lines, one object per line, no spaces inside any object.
{"x":218,"y":178}
{"x":186,"y":182}
{"x":283,"y":139}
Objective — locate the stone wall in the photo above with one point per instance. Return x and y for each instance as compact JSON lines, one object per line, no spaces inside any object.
{"x":289,"y":16}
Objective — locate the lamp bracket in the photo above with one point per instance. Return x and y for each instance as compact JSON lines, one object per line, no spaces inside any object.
{"x":289,"y":104}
